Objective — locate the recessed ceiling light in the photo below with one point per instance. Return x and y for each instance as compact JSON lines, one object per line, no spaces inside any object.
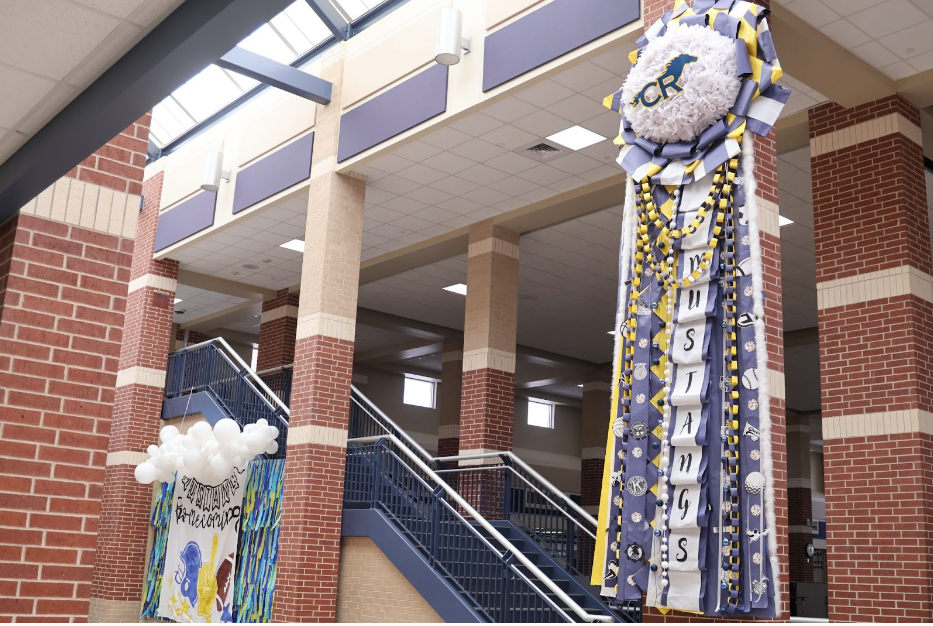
{"x":177,"y":300}
{"x":783,"y":221}
{"x":611,"y":332}
{"x":297,"y":245}
{"x":458,"y":288}
{"x":579,"y":385}
{"x":576,"y":138}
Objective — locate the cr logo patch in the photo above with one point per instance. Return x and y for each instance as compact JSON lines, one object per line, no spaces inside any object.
{"x":667,"y":85}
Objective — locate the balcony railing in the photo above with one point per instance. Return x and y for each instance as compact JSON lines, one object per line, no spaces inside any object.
{"x":214,"y":367}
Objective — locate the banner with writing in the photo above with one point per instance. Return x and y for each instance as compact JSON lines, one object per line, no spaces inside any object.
{"x":200,"y":554}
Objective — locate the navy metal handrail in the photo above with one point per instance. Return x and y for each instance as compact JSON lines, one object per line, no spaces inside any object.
{"x":499,"y":583}
{"x":279,"y":380}
{"x":508,"y":492}
{"x":206,"y":367}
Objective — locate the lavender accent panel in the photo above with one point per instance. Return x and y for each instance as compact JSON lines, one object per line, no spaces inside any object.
{"x":273,"y":173}
{"x":549,"y":32}
{"x":192,"y":215}
{"x":404,"y":106}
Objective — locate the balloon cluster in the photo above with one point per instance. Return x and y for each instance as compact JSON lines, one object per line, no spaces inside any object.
{"x":207,"y":455}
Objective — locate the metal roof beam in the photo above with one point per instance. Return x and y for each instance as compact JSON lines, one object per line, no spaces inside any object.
{"x":193,"y":36}
{"x":278,"y":75}
{"x":332,"y":18}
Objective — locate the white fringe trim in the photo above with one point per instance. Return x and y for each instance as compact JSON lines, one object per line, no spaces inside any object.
{"x":764,"y":397}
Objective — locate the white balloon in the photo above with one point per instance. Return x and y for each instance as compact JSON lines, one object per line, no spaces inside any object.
{"x":272,"y":448}
{"x":256,"y":442}
{"x":221,"y":467}
{"x":154,"y":450}
{"x":272,"y":432}
{"x":201,"y":431}
{"x":262,"y":422}
{"x":226,"y":430}
{"x":194,"y":461}
{"x":188,"y":441}
{"x":145,"y":472}
{"x":238,"y":461}
{"x":168,"y":433}
{"x":249,"y":428}
{"x":181,"y":468}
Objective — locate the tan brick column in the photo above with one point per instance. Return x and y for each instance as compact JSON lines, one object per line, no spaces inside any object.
{"x":490,"y":326}
{"x":277,"y":328}
{"x":597,"y":399}
{"x":874,"y":290}
{"x":448,"y":433}
{"x":116,"y":593}
{"x":309,"y":544}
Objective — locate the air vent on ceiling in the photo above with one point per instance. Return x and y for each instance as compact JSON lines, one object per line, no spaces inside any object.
{"x":542,"y":147}
{"x":540,"y":150}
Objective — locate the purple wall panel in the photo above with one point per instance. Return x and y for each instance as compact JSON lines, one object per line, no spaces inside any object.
{"x":273,"y":173}
{"x":192,"y":215}
{"x":549,"y":32}
{"x":409,"y":103}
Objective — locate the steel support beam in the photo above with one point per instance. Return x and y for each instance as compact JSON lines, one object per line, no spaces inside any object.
{"x":278,"y":75}
{"x":193,"y":36}
{"x":332,"y":18}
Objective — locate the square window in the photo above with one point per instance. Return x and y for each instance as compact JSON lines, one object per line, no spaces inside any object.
{"x":419,"y":391}
{"x":540,"y":414}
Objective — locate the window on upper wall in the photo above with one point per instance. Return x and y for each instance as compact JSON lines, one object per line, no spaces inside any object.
{"x":540,"y":414}
{"x":420,"y":391}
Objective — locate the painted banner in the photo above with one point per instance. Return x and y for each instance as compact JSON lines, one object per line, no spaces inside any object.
{"x":200,"y":554}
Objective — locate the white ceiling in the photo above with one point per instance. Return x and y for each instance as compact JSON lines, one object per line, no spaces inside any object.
{"x":895,"y":36}
{"x":199,"y":302}
{"x":51,"y":50}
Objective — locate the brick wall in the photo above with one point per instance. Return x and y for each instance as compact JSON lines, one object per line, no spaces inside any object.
{"x":365,"y":574}
{"x":119,"y":164}
{"x":591,"y":479}
{"x":64,"y":295}
{"x":487,"y":410}
{"x":118,"y":577}
{"x":277,"y":330}
{"x":873,"y":259}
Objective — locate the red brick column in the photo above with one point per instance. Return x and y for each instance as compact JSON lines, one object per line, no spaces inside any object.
{"x":309,"y":544}
{"x":140,"y":383}
{"x":64,"y":268}
{"x":799,"y":498}
{"x":448,"y":434}
{"x":594,"y":426}
{"x":277,"y":328}
{"x":874,"y":288}
{"x":490,"y":325}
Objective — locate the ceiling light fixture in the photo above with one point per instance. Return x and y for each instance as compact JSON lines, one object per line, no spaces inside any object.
{"x":576,"y":138}
{"x":450,"y":40}
{"x":298,"y":245}
{"x":458,"y":288}
{"x":213,"y":171}
{"x":611,"y":332}
{"x":177,"y":300}
{"x":783,"y":221}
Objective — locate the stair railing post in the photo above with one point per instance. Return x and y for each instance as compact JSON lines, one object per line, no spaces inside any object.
{"x":507,"y":491}
{"x":436,"y":509}
{"x":377,"y":472}
{"x":506,"y":597}
{"x":571,"y":532}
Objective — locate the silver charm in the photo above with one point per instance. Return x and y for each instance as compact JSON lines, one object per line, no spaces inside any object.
{"x":641,"y":371}
{"x":751,"y":432}
{"x":637,"y":486}
{"x":755,"y":535}
{"x":755,"y":483}
{"x":760,"y":587}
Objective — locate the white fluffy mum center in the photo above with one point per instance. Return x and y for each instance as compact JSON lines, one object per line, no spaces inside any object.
{"x":683,"y":83}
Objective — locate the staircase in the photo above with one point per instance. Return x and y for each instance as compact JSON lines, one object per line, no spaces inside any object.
{"x":494,"y":542}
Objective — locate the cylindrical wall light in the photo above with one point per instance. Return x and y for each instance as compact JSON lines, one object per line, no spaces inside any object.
{"x":213,"y":171}
{"x":450,"y":38}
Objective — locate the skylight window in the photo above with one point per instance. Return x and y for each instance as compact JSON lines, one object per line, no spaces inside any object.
{"x":285,"y":38}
